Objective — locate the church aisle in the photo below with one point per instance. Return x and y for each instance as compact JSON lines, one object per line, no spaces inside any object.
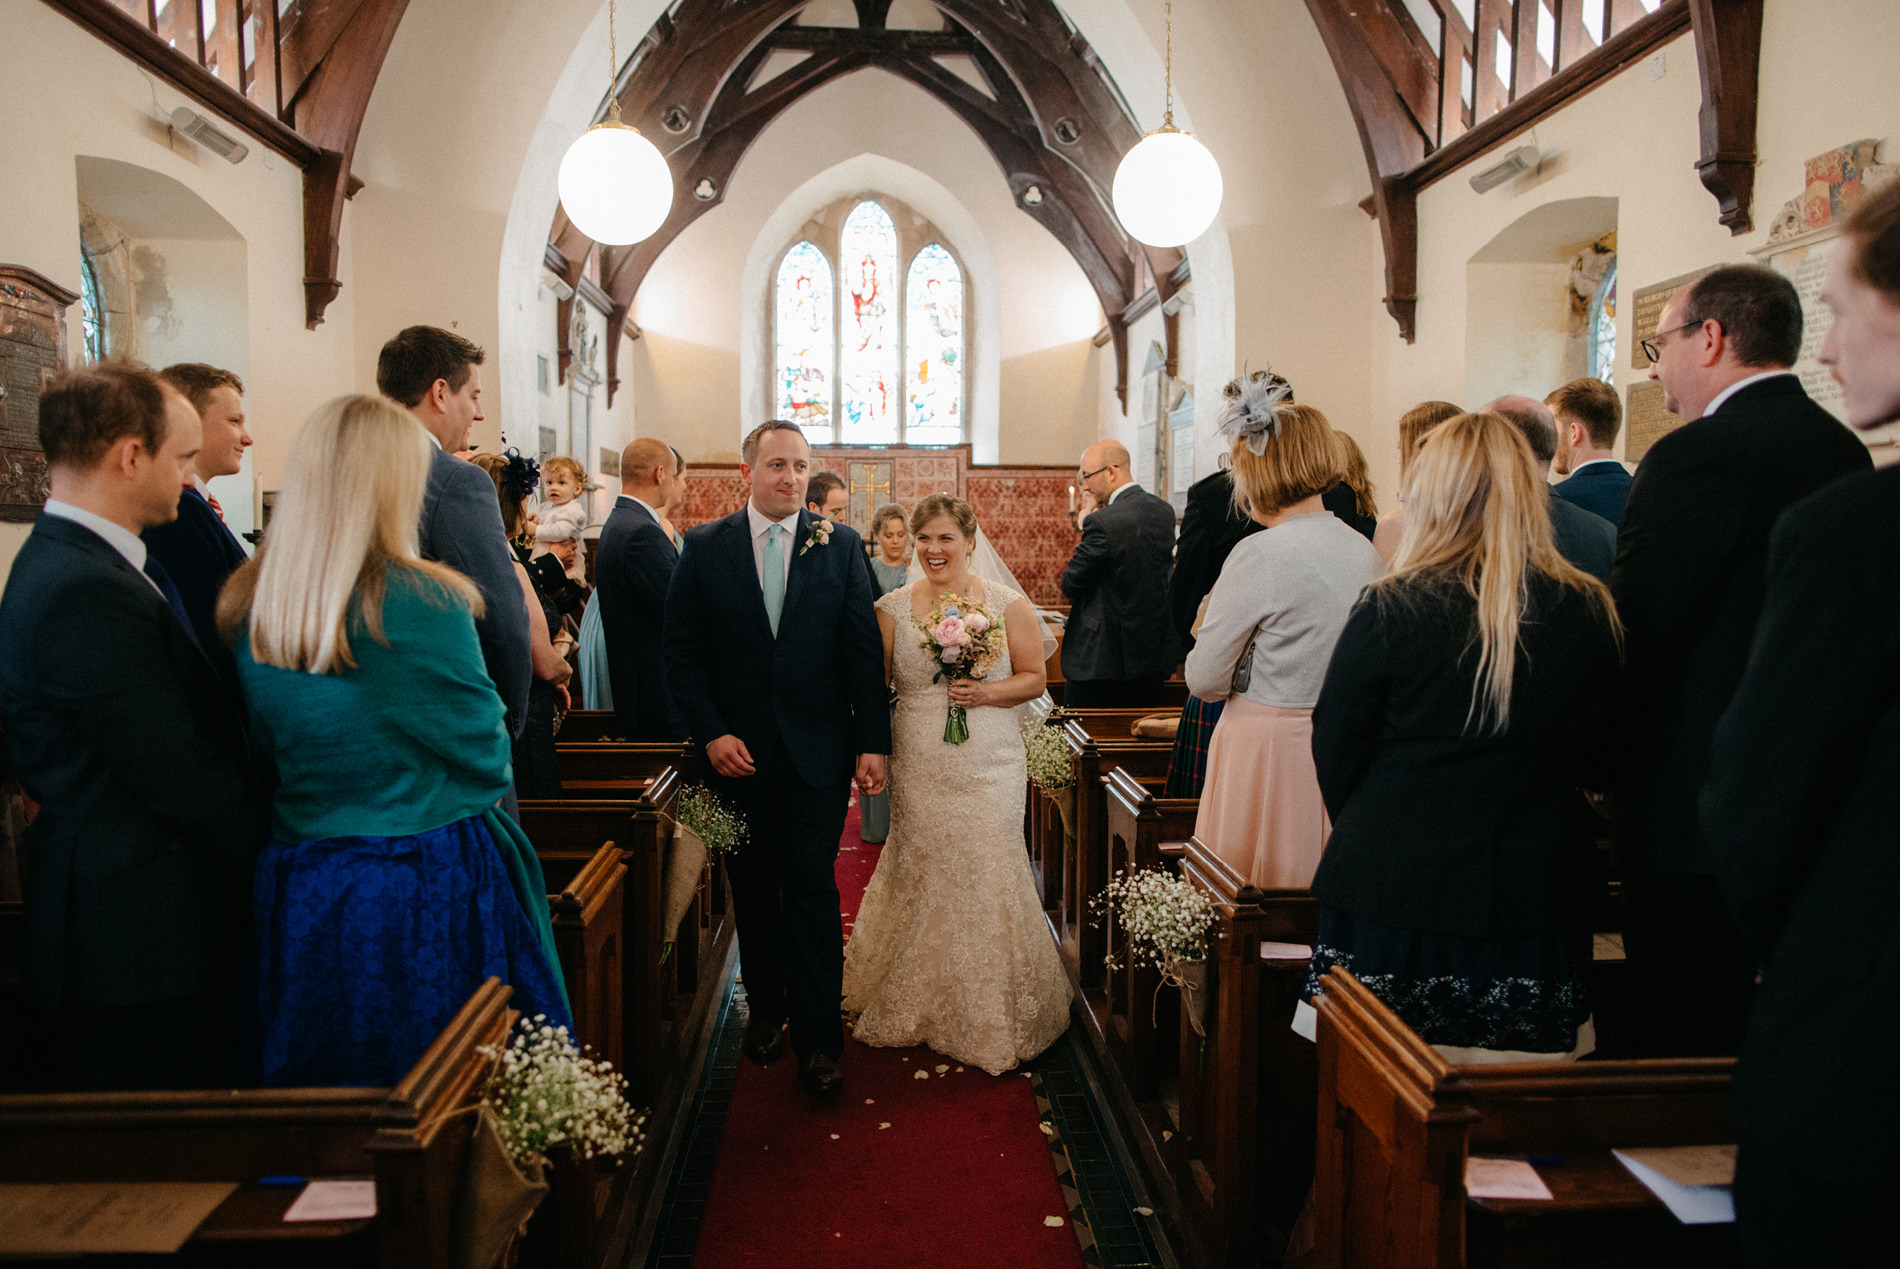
{"x":918,"y":1163}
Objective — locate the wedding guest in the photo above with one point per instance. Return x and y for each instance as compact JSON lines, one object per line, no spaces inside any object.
{"x":1449,"y":735}
{"x":1272,"y":619}
{"x":890,"y":541}
{"x":1413,"y":425}
{"x":1588,"y":418}
{"x":392,"y":886}
{"x":636,"y":564}
{"x":1119,"y":646}
{"x":827,"y":495}
{"x":1803,"y":795}
{"x":1691,"y":568}
{"x":136,"y":868}
{"x":1352,"y":499}
{"x":560,"y":519}
{"x":537,"y":764}
{"x":198,"y":549}
{"x":1585,"y":539}
{"x":436,"y":375}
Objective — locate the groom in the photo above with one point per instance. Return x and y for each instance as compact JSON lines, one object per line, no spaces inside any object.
{"x":774,"y":660}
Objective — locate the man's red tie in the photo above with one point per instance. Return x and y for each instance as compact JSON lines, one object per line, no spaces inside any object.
{"x":212,"y":499}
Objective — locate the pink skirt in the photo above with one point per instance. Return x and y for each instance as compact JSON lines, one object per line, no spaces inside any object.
{"x":1261,"y":809}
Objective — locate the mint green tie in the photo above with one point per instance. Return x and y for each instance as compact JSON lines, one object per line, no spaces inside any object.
{"x":774,"y":579}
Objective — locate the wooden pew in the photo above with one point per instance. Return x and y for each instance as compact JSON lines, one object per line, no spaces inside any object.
{"x":589,"y":725}
{"x":613,"y":771}
{"x":1138,"y":823}
{"x":1085,"y":870}
{"x":1397,"y":1123}
{"x":589,"y":915}
{"x":412,"y":1138}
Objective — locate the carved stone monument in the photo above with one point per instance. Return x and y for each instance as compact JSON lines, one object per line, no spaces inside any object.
{"x":32,"y":351}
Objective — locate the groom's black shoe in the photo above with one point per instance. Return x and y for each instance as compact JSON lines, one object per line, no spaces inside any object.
{"x":764,"y":1040}
{"x":820,"y":1075}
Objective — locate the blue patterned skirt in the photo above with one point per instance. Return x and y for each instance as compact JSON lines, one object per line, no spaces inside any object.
{"x":367,"y":947}
{"x":1525,"y":994}
{"x":1187,"y":764}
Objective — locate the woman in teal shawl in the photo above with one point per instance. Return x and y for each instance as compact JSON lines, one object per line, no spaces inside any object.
{"x":393,"y":886}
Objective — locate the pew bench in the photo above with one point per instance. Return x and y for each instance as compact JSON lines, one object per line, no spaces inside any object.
{"x":1085,"y":868}
{"x":1397,"y":1124}
{"x":589,"y":725}
{"x":1139,"y":1024}
{"x":412,"y":1139}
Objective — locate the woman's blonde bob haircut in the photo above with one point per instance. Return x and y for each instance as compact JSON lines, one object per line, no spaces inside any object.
{"x":1301,"y":460}
{"x":1477,"y":514}
{"x":349,"y":505}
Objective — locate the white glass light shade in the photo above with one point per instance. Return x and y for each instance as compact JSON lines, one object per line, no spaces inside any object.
{"x":1167,"y":189}
{"x":615,"y":185}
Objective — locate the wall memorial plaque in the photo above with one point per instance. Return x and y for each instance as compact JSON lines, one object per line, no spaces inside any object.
{"x":1647,"y":309}
{"x":32,"y":351}
{"x":1645,"y":421}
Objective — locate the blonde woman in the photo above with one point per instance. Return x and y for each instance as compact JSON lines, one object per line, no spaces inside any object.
{"x":1449,"y":737}
{"x":1266,"y":637}
{"x":1413,"y":426}
{"x":392,"y":886}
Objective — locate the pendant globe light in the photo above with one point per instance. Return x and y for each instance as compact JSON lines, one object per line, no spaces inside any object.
{"x":614,"y":183}
{"x":1168,"y":188}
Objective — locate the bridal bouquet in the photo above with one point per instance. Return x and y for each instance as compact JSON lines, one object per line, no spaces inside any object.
{"x":965,"y":640}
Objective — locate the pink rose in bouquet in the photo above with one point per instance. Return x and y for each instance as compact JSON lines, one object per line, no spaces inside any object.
{"x":976,"y":623}
{"x":949,"y":633}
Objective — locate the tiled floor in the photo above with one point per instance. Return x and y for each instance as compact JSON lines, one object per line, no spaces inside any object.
{"x":1103,"y":1205}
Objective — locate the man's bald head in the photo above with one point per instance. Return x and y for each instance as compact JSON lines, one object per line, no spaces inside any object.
{"x":1534,"y":419}
{"x":649,"y":471}
{"x":1103,"y":453}
{"x":1104,"y":470}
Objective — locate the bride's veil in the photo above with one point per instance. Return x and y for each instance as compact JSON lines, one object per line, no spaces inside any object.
{"x":987,"y":564}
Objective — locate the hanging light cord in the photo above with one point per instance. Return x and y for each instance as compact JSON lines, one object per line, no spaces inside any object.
{"x":1167,"y":69}
{"x":613,"y":67}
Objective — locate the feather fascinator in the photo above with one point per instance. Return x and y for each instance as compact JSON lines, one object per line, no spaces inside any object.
{"x":520,"y":476}
{"x":1250,"y":414}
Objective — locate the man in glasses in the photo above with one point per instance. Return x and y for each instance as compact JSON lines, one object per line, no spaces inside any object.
{"x":1119,"y":644}
{"x":1690,"y":574}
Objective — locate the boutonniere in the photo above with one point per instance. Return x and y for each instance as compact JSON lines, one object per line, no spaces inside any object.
{"x":819,"y":535}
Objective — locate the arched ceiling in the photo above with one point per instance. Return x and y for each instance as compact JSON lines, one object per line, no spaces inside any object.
{"x":1051,"y":118}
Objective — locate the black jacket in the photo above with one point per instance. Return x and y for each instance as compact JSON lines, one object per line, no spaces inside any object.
{"x":1583,"y":537}
{"x":1118,"y":581}
{"x":818,"y":687}
{"x":1804,"y":798}
{"x":631,"y":575}
{"x":1211,"y":528}
{"x":1437,"y":826}
{"x":137,"y":871}
{"x":1691,"y":563}
{"x":200,"y":554}
{"x":1601,"y":488}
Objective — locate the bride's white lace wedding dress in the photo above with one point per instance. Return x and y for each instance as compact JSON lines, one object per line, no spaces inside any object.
{"x":951,"y":948}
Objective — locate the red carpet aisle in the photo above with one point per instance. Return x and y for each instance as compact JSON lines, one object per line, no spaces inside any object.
{"x":946,"y":1171}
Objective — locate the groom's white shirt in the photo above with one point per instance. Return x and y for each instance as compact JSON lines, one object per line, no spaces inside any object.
{"x":760,"y":525}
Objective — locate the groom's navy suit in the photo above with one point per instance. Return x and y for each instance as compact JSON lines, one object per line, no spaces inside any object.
{"x":805,"y":703}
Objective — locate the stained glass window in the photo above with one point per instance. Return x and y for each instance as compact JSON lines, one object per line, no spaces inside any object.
{"x":933,"y":349}
{"x":803,"y":331}
{"x":92,"y":313}
{"x":867,"y":361}
{"x":1602,"y":332}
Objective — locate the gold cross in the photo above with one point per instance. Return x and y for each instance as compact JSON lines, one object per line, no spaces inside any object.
{"x":864,"y":481}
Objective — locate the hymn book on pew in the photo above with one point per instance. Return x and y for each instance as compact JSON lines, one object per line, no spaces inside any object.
{"x":79,"y":1217}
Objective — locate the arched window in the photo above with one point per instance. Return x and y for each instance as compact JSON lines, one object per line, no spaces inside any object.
{"x":1602,"y":328}
{"x":933,"y":348}
{"x":874,"y":352}
{"x":802,"y":330}
{"x":92,"y":311}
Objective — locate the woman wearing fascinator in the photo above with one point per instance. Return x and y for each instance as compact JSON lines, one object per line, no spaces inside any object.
{"x":1266,"y":638}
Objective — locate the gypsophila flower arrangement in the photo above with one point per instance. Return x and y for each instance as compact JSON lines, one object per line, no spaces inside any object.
{"x":1051,"y":765}
{"x":718,"y":825}
{"x":1165,"y":918}
{"x":545,"y":1095}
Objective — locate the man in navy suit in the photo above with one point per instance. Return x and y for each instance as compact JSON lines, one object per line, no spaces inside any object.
{"x":136,"y":873}
{"x":1691,"y":573}
{"x":632,"y":573}
{"x":774,"y":657}
{"x":437,"y":375}
{"x":1588,"y":418}
{"x":1119,"y":643}
{"x":1586,"y":540}
{"x":198,"y":549}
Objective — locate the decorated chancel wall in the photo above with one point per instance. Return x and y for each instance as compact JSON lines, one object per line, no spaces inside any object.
{"x":1023,"y":510}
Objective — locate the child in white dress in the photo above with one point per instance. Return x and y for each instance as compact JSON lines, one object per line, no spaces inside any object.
{"x":562,"y":516}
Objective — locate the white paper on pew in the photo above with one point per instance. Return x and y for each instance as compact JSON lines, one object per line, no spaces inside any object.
{"x":1503,"y":1179}
{"x":1285,"y":951}
{"x":334,"y":1201}
{"x":1692,"y":1204}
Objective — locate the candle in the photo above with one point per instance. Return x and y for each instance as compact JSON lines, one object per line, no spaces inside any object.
{"x":1071,"y":499}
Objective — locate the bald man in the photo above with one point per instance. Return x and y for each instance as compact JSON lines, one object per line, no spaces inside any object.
{"x":634,"y":569}
{"x":1119,"y":645}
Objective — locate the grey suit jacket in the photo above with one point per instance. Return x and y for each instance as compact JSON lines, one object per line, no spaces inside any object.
{"x":461,"y":527}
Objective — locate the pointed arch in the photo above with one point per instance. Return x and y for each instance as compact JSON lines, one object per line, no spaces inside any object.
{"x":803,"y":335}
{"x":933,"y":348}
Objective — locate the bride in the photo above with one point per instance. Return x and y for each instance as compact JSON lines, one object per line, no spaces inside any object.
{"x":951,"y":948}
